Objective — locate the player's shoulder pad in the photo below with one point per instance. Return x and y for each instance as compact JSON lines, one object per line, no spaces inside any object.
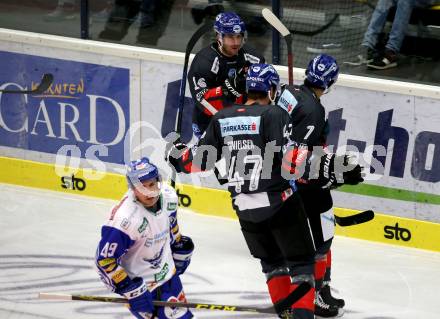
{"x":124,"y":215}
{"x":288,"y":99}
{"x":252,"y":55}
{"x":170,"y":199}
{"x":204,"y":59}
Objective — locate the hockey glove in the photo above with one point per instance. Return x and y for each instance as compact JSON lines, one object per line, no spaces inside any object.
{"x":235,"y":85}
{"x":336,"y":170}
{"x":174,"y":154}
{"x":139,"y":298}
{"x":182,"y":252}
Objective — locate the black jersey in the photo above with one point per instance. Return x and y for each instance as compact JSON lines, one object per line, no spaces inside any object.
{"x":209,"y":69}
{"x":307,"y":131}
{"x":250,"y":139}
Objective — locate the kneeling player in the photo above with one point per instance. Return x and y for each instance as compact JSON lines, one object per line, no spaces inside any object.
{"x":141,"y":252}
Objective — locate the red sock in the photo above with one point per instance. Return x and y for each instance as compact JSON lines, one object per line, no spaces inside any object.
{"x":307,"y":302}
{"x":320,"y":268}
{"x":279,"y":287}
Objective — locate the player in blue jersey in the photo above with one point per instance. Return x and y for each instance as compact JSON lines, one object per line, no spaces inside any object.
{"x":141,"y":252}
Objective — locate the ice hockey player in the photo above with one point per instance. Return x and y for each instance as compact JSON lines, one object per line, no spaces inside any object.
{"x":307,"y":136}
{"x":141,"y":252}
{"x":217,"y":76}
{"x":272,"y":217}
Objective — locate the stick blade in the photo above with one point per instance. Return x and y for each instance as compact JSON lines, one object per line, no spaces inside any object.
{"x":356,"y":219}
{"x":45,"y":83}
{"x":50,"y":296}
{"x":275,"y":22}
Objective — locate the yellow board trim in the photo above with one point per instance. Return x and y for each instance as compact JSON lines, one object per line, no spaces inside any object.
{"x":424,"y":235}
{"x":48,"y":176}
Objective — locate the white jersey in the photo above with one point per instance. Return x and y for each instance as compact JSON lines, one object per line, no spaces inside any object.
{"x":137,"y":242}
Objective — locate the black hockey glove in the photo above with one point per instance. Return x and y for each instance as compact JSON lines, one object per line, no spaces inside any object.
{"x":174,"y":154}
{"x":336,"y":170}
{"x":235,"y":85}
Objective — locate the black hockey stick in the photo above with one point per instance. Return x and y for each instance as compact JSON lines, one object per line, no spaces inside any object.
{"x":319,"y":30}
{"x":192,"y":305}
{"x":45,"y":83}
{"x":191,"y":43}
{"x":272,"y":19}
{"x":297,"y":294}
{"x":355,"y":219}
{"x":367,"y":3}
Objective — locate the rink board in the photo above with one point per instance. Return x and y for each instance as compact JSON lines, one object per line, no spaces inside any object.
{"x":111,"y":103}
{"x":383,"y":228}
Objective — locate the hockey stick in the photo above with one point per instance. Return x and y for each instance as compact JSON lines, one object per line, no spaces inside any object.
{"x":355,"y":219}
{"x":201,"y":306}
{"x":45,"y":83}
{"x":272,"y":19}
{"x":297,"y":294}
{"x":191,"y":43}
{"x":319,"y":30}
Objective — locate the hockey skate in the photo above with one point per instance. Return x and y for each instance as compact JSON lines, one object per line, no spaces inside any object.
{"x":324,"y":310}
{"x":327,"y":297}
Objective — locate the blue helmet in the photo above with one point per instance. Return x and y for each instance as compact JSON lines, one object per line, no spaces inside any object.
{"x":322,"y":71}
{"x":229,"y":23}
{"x":262,"y":77}
{"x":141,"y":170}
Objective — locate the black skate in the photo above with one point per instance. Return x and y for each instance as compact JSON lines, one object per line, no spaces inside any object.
{"x":327,"y":297}
{"x":324,"y":310}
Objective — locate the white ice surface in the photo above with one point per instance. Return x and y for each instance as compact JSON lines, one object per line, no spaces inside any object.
{"x":47,"y":244}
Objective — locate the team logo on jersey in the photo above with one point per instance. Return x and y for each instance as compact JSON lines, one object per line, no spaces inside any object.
{"x":172,"y":206}
{"x":156,"y":260}
{"x":162,"y":273}
{"x":143,"y":226}
{"x":125,"y":223}
{"x":240,"y":125}
{"x":232,"y":73}
{"x":287,"y":101}
{"x":201,"y":83}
